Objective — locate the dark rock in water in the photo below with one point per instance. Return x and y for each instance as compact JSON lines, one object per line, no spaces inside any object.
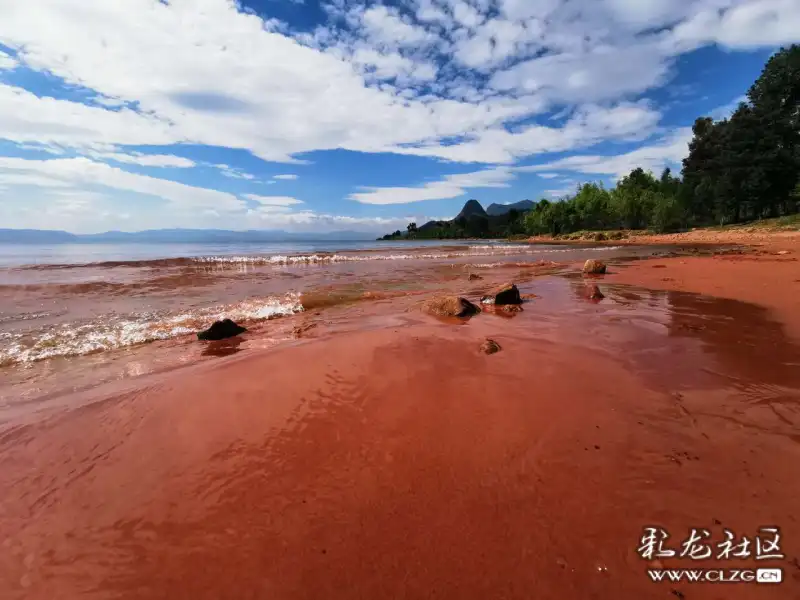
{"x":490,"y":347}
{"x":221,"y":330}
{"x":594,"y":267}
{"x":505,"y":294}
{"x":451,"y":306}
{"x":474,"y":277}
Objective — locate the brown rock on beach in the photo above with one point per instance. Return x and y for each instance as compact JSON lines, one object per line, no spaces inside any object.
{"x":594,"y":267}
{"x":451,"y":306}
{"x":490,"y":347}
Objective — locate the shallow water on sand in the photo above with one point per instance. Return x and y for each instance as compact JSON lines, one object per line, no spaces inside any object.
{"x":75,"y":308}
{"x":388,"y":457}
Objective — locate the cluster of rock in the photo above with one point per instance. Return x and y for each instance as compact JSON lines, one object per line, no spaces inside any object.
{"x":505,"y":297}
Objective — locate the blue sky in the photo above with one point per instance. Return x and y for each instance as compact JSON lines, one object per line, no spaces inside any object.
{"x":351,"y":114}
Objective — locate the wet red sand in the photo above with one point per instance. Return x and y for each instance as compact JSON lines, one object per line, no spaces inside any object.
{"x":398,"y":461}
{"x":767,"y":279}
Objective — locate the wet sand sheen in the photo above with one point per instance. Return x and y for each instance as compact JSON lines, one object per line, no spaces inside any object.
{"x":399,"y":462}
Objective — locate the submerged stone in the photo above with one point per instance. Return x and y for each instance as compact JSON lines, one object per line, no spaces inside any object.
{"x":490,"y":347}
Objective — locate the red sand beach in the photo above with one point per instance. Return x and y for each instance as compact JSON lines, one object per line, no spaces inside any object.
{"x":381,"y":454}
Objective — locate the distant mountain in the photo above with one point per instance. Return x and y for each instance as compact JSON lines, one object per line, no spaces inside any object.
{"x":175,"y":236}
{"x":472,"y":222}
{"x":472,"y":208}
{"x":35,"y":236}
{"x":495,"y":210}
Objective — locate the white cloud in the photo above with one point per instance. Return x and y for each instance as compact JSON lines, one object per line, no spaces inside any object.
{"x":464,"y":14}
{"x":524,"y":9}
{"x":392,"y":65}
{"x":205,"y":73}
{"x":452,"y":186}
{"x":567,"y":189}
{"x":145,"y":160}
{"x":725,"y":111}
{"x":273,"y":200}
{"x":589,"y":125}
{"x":429,"y":12}
{"x":667,"y":152}
{"x":548,"y":175}
{"x":744,"y":25}
{"x":202,"y":72}
{"x":233,"y":172}
{"x":6,"y":62}
{"x":310,"y":221}
{"x":287,"y":177}
{"x":385,"y":26}
{"x":25,"y":117}
{"x":605,"y":72}
{"x":80,"y":173}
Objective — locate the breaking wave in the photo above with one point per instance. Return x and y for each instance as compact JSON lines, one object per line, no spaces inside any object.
{"x":279,"y":260}
{"x":322,"y":258}
{"x":112,"y":332}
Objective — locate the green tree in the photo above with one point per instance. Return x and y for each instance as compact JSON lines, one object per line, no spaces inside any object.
{"x":592,"y":206}
{"x":747,"y":166}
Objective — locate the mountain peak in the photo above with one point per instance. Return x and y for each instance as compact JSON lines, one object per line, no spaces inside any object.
{"x":472,"y":208}
{"x":495,"y":210}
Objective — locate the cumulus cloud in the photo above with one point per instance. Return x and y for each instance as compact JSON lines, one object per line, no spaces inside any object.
{"x":667,"y":152}
{"x":587,"y":126}
{"x":386,"y":27}
{"x":233,"y":172}
{"x":273,"y":200}
{"x":6,"y":61}
{"x":204,"y":72}
{"x":451,"y":186}
{"x":311,"y":221}
{"x":146,"y":160}
{"x":79,"y":173}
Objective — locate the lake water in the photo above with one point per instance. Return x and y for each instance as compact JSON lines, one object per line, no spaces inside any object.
{"x":42,"y":254}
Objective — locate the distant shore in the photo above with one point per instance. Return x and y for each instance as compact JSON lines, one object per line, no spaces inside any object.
{"x":751,"y":235}
{"x":379,"y":453}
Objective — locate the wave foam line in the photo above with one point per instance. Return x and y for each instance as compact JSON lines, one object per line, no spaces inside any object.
{"x":72,"y":339}
{"x":279,"y":260}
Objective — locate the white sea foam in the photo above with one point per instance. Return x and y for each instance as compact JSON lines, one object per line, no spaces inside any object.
{"x":110,"y":333}
{"x":482,"y":250}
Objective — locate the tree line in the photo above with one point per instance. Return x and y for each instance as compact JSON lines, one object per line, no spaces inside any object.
{"x":738,"y":169}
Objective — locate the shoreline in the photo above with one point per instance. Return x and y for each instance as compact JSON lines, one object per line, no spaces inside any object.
{"x":380,"y":453}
